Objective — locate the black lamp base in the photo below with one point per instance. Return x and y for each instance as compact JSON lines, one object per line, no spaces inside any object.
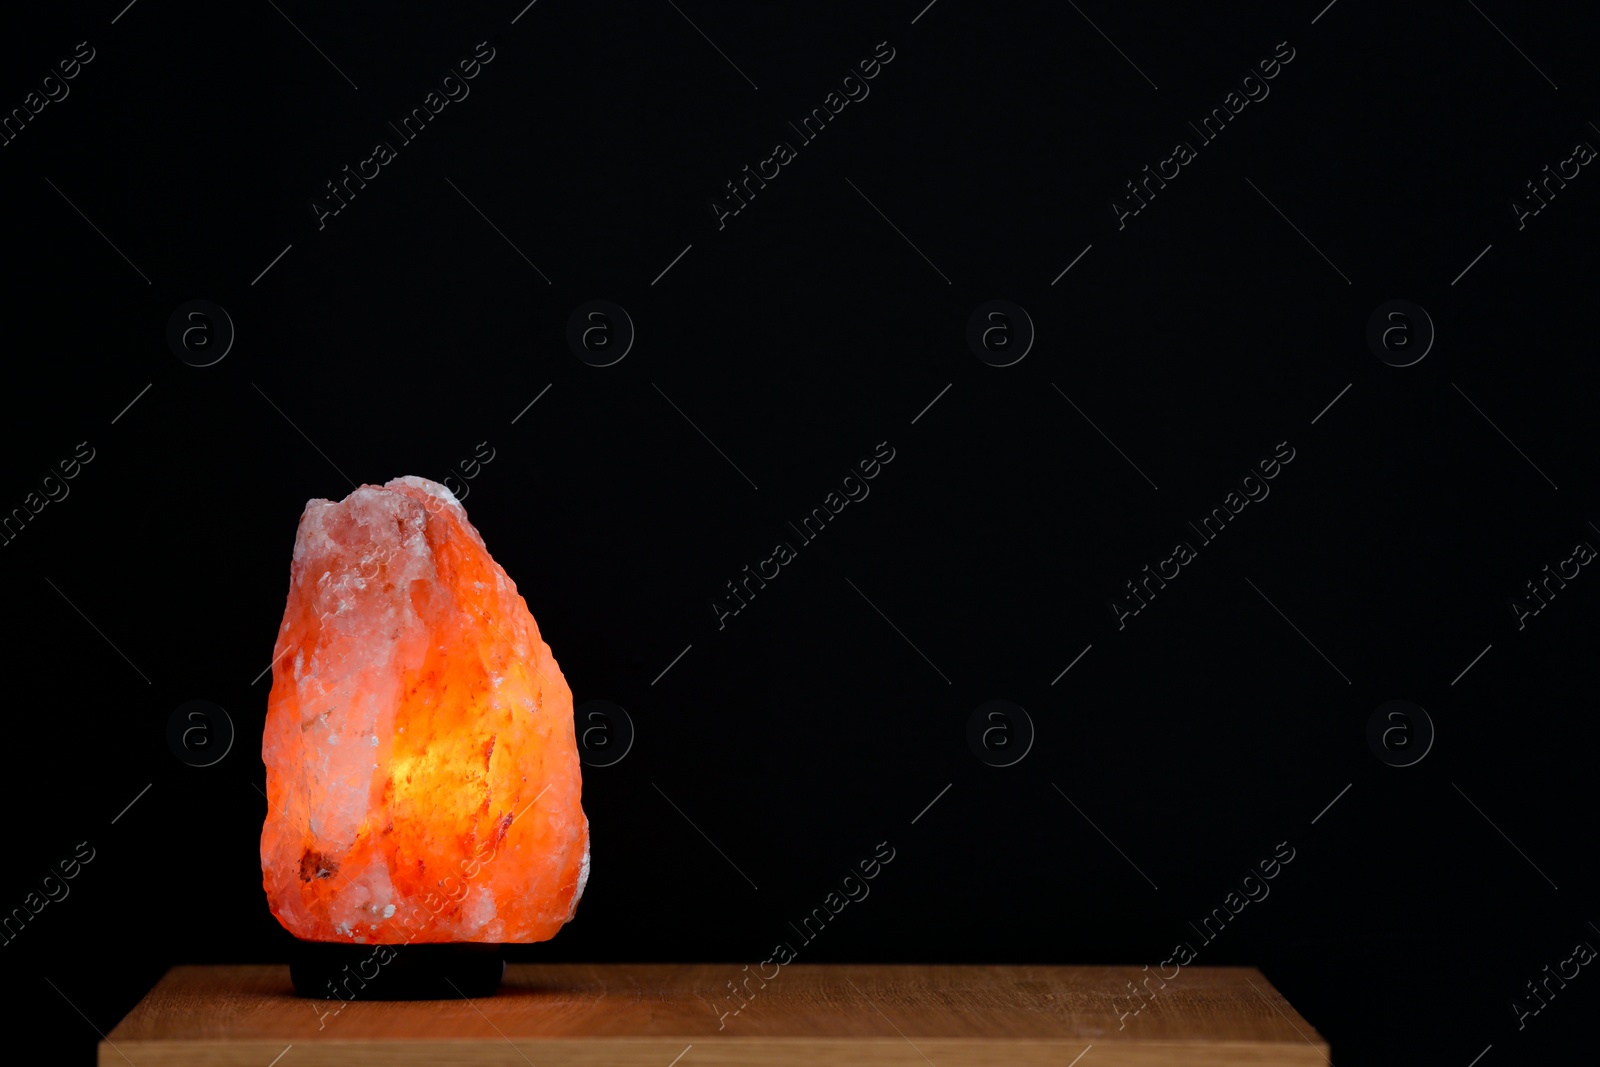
{"x":341,"y":971}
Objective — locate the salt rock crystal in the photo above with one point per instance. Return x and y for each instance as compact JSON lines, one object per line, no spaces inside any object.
{"x":422,"y":770}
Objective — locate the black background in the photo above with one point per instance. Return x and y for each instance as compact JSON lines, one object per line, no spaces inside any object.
{"x":797,"y":338}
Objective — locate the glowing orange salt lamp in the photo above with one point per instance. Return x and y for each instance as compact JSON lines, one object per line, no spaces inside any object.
{"x":423,"y":784}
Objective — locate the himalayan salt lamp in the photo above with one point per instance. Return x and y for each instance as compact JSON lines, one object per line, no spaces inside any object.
{"x":423,"y":785}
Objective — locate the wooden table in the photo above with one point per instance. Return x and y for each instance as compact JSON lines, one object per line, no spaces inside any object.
{"x":672,"y":1015}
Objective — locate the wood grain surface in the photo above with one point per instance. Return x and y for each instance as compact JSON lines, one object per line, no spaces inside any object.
{"x":672,"y":1015}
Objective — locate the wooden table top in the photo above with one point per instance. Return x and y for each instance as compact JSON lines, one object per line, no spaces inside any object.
{"x":686,"y":1015}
